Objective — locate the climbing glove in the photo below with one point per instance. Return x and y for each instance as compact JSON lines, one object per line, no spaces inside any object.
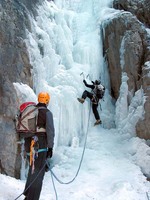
{"x":84,"y":81}
{"x":49,"y":155}
{"x":49,"y":152}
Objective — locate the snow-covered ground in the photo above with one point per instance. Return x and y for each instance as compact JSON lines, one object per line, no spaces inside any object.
{"x":108,"y":171}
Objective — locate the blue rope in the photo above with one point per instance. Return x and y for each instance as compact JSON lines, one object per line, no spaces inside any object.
{"x":147,"y":195}
{"x":54,"y":187}
{"x":53,"y":174}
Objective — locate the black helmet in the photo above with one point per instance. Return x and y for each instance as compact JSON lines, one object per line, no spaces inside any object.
{"x":97,"y":82}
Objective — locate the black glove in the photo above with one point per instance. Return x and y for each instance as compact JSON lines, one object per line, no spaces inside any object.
{"x":47,"y":164}
{"x":49,"y":152}
{"x":84,"y":81}
{"x":49,"y":155}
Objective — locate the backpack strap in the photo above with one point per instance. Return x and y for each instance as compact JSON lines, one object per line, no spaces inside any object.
{"x":29,"y":113}
{"x":38,"y":130}
{"x":20,"y":119}
{"x":42,"y":107}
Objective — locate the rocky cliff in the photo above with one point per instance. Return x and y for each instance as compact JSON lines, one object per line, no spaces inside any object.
{"x":14,"y":67}
{"x":139,"y":8}
{"x":127,"y":49}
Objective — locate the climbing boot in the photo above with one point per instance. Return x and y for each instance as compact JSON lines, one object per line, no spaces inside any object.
{"x":81,"y":100}
{"x":97,"y":122}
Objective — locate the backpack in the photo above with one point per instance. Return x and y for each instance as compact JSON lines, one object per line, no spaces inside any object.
{"x":27,"y":119}
{"x":99,"y":91}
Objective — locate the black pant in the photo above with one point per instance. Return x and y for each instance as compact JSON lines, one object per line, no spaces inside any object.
{"x":33,"y":192}
{"x":94,"y":103}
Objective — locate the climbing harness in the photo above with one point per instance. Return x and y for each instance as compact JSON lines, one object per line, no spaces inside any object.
{"x":33,"y":151}
{"x":95,"y":100}
{"x":39,"y":151}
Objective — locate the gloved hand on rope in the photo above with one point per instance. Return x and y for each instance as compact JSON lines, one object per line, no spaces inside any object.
{"x":84,"y":81}
{"x":49,"y":152}
{"x":48,"y":157}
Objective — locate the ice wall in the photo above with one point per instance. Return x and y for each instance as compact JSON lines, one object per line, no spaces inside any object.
{"x":66,"y":41}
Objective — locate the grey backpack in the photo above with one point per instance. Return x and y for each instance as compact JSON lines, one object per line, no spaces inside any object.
{"x":99,"y":91}
{"x":27,"y":119}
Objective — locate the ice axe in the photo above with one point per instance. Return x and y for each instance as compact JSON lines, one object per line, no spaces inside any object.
{"x":88,"y":76}
{"x":82,"y":74}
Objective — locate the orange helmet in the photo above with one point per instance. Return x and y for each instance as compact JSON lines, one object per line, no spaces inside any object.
{"x":43,"y":97}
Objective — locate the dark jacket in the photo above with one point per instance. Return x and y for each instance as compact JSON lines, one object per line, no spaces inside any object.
{"x":45,"y":139}
{"x":45,"y":120}
{"x":89,"y":85}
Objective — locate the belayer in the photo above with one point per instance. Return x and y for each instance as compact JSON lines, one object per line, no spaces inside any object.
{"x":95,"y":95}
{"x":39,"y":141}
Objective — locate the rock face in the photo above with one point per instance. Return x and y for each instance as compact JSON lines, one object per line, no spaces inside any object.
{"x":143,"y":126}
{"x":14,"y":67}
{"x":139,"y":8}
{"x":124,"y":33}
{"x":127,"y":49}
